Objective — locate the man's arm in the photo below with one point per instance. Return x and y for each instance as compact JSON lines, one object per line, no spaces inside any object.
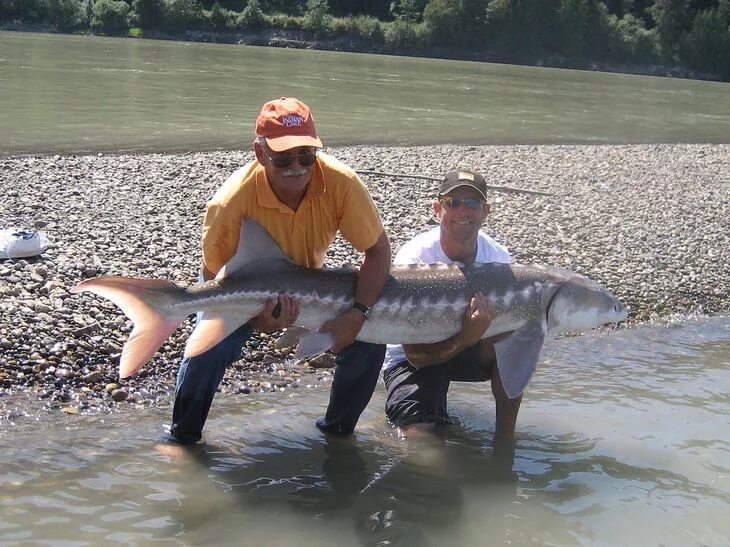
{"x":371,"y":278}
{"x":278,"y":313}
{"x":478,"y":317}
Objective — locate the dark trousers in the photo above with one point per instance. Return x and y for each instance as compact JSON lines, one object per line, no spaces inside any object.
{"x":419,"y":395}
{"x":356,"y":374}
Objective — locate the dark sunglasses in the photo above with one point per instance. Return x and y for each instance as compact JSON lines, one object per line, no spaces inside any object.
{"x":455,"y":203}
{"x":285,"y":160}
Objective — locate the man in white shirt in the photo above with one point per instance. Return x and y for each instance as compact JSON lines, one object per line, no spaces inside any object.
{"x":417,"y":376}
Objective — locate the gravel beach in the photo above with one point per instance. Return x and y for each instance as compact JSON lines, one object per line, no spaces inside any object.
{"x":650,"y":222}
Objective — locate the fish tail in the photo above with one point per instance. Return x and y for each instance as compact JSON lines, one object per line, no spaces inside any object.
{"x":149,"y":305}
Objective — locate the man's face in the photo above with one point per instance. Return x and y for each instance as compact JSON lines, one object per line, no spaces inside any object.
{"x":287,"y":171}
{"x":463,"y":222}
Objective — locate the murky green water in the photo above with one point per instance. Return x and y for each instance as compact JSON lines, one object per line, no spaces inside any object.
{"x":80,"y":94}
{"x":623,"y":440}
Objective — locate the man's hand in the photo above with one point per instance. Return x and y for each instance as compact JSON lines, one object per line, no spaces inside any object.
{"x":478,"y":317}
{"x":345,"y":328}
{"x":272,"y":319}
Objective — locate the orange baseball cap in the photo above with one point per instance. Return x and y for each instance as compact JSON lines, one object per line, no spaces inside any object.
{"x":287,"y":123}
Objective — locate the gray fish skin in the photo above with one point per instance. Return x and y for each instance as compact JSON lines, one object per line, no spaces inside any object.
{"x":419,"y":304}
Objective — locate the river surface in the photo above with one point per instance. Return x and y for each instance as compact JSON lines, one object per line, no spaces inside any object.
{"x":623,"y":439}
{"x":80,"y":94}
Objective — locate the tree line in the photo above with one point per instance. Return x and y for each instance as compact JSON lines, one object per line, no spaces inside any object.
{"x":690,"y":33}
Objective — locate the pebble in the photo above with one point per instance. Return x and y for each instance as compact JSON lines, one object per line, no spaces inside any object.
{"x":120,"y":395}
{"x":647,"y":221}
{"x":326,"y":360}
{"x":92,"y":377}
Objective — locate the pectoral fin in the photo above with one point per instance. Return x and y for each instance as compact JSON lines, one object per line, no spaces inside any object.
{"x":517,"y":357}
{"x":314,"y":344}
{"x":212,"y":328}
{"x":291,"y":337}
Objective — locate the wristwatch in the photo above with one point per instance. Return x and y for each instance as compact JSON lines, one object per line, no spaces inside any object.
{"x":362,"y":308}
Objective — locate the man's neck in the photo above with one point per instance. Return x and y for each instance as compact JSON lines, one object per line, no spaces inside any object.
{"x":458,"y":251}
{"x":291,"y":201}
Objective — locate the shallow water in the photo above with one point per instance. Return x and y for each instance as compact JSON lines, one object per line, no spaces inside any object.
{"x":623,"y":439}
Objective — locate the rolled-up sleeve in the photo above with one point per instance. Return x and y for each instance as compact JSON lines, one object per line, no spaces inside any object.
{"x":221,"y":230}
{"x":360,"y":223}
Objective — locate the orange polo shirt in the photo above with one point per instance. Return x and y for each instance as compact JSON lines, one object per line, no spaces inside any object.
{"x":336,"y":199}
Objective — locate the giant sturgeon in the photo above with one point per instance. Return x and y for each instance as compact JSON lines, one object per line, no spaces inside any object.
{"x":419,"y":304}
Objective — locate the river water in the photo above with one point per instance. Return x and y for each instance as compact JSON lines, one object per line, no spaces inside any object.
{"x":80,"y":94}
{"x":623,"y":439}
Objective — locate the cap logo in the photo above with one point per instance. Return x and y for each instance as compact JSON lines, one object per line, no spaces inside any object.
{"x":465,"y":176}
{"x":292,"y":120}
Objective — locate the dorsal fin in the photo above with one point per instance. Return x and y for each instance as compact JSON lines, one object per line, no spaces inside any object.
{"x":257,"y":252}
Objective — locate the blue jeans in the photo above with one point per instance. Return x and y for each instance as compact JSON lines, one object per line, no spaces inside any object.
{"x":356,"y":374}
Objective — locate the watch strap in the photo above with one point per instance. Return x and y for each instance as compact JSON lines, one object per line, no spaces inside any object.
{"x":362,"y":308}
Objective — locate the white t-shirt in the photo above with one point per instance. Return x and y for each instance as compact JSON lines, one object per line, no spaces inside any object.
{"x":426,"y":248}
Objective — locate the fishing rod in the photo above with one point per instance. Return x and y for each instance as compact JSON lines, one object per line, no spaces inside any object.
{"x":507,"y":189}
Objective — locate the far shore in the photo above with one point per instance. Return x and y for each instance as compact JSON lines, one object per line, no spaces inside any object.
{"x":649,"y":222}
{"x":296,"y":39}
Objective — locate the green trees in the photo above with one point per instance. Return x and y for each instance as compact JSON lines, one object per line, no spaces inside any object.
{"x":25,"y":10}
{"x":179,"y":15}
{"x":408,"y":10}
{"x":317,"y":18}
{"x":252,"y":16}
{"x":222,"y":19}
{"x":707,"y":45}
{"x":631,"y":42}
{"x":671,"y":18}
{"x":693,"y":33}
{"x":147,"y":13}
{"x":110,"y":16}
{"x":455,"y":22}
{"x":64,"y":14}
{"x":525,"y":28}
{"x":583,"y":29}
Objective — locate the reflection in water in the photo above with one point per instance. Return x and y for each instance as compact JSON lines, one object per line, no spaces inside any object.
{"x":622,"y":439}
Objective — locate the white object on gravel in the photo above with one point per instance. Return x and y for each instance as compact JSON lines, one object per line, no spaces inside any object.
{"x":17,"y":243}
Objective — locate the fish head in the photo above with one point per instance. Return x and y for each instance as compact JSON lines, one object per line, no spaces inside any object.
{"x":580,"y":304}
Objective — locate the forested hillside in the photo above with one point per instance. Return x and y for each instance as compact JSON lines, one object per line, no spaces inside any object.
{"x":689,"y":34}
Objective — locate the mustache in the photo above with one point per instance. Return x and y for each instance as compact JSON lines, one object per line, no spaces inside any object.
{"x":294,"y":172}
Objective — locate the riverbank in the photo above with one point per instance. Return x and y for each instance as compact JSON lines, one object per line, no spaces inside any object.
{"x":647,"y":221}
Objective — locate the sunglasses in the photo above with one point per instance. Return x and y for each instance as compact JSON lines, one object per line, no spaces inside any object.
{"x":285,"y":160}
{"x":455,"y":203}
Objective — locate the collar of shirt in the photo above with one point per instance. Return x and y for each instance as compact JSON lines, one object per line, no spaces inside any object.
{"x":267,"y":198}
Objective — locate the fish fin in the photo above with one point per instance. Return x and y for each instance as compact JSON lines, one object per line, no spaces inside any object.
{"x":517,"y":357}
{"x":314,"y":344}
{"x":262,"y":267}
{"x":147,"y":302}
{"x":257,"y":252}
{"x":212,"y":328}
{"x":143,"y":343}
{"x":290,"y":337}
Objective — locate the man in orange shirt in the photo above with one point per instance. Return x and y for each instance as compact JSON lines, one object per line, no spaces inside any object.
{"x":302,"y":197}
